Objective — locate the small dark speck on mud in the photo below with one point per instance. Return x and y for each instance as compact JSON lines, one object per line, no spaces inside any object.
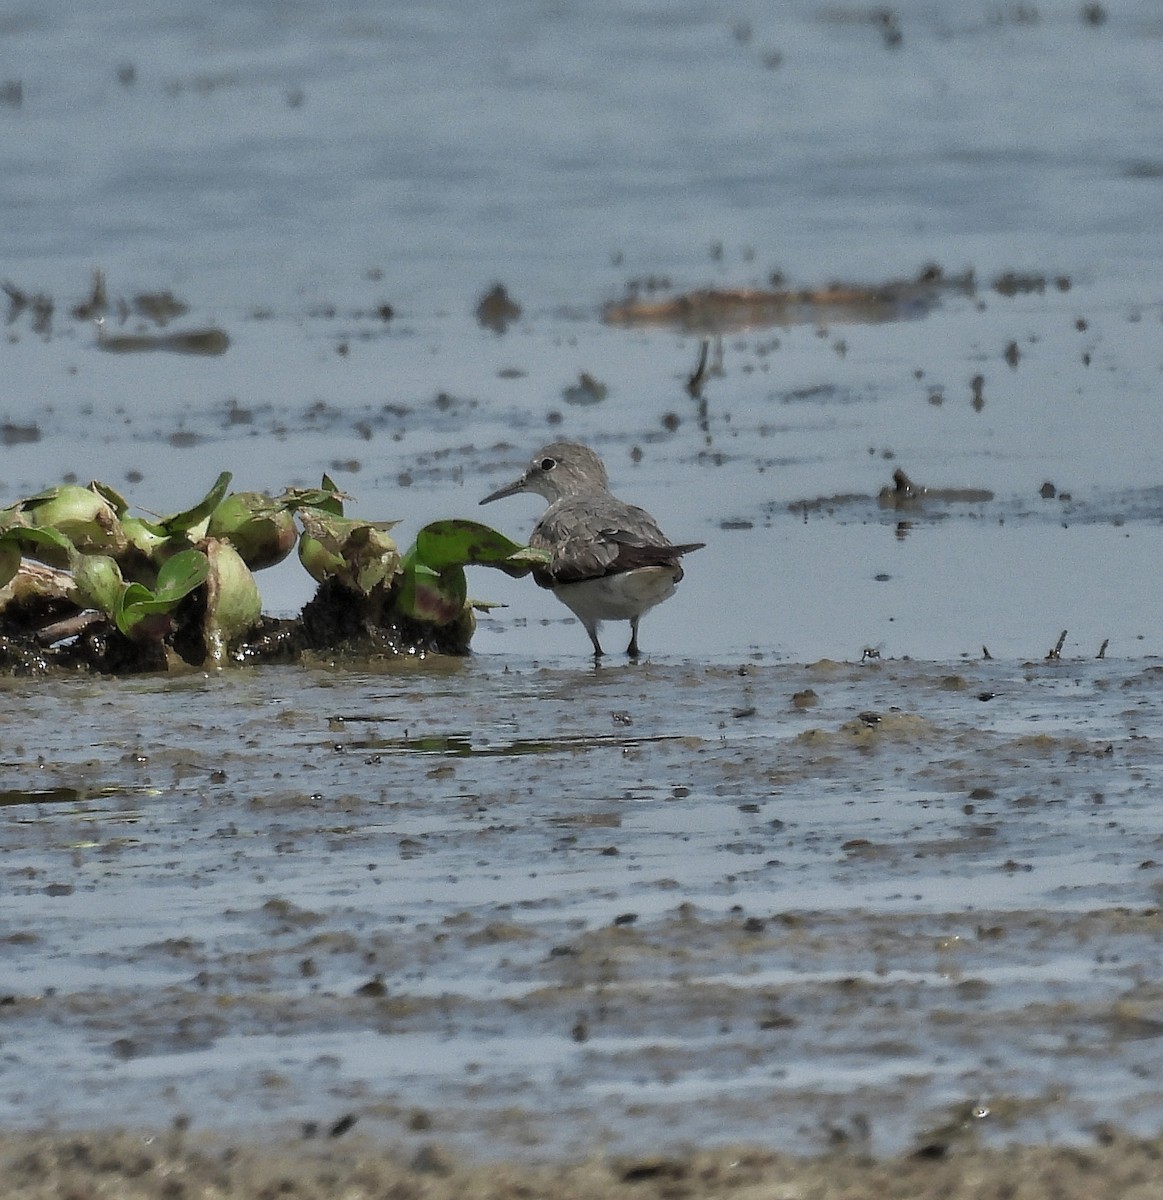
{"x":375,"y":987}
{"x":1012,"y":354}
{"x":345,"y":1123}
{"x":1047,"y":491}
{"x":652,"y":1168}
{"x":432,"y":1160}
{"x":736,"y":523}
{"x":1094,"y":14}
{"x":625,"y":918}
{"x":983,"y":696}
{"x":183,"y":439}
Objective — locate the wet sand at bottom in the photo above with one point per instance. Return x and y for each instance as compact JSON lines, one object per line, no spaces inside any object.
{"x":172,"y":1166}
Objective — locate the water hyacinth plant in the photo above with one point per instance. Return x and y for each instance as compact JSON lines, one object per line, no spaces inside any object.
{"x":154,"y":592}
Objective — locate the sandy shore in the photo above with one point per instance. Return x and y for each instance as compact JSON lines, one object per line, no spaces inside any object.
{"x":176,"y":1165}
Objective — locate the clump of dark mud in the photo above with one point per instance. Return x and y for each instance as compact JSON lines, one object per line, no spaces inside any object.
{"x":337,"y":622}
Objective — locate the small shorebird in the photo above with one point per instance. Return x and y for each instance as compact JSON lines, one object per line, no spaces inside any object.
{"x":611,"y":562}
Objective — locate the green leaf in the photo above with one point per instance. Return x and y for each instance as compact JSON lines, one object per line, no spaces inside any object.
{"x":9,"y":559}
{"x":45,"y":545}
{"x":233,"y":603}
{"x":138,"y":610}
{"x":184,"y":521}
{"x":181,"y":574}
{"x":360,"y":554}
{"x":457,"y":543}
{"x":115,"y":498}
{"x":425,"y":594}
{"x":98,"y":582}
{"x":327,"y":499}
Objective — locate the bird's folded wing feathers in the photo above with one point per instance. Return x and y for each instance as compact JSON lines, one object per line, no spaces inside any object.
{"x":593,"y":537}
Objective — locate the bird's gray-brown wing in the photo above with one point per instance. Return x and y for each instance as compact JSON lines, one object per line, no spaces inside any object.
{"x":593,"y":536}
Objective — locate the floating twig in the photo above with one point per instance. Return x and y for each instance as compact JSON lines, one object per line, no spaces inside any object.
{"x":1102,"y":649}
{"x":1056,"y":653}
{"x":68,"y":628}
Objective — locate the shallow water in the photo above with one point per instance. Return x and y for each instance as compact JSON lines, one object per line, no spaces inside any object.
{"x":836,"y":931}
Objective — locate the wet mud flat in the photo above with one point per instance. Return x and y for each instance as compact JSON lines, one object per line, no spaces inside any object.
{"x":528,"y":914}
{"x":173,"y":1165}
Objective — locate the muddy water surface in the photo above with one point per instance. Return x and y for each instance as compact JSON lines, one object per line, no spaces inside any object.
{"x":537,"y":910}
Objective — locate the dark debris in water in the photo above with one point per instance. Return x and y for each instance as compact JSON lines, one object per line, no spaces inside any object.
{"x":904,"y":497}
{"x":208,"y":342}
{"x":497,"y":310}
{"x":158,"y":308}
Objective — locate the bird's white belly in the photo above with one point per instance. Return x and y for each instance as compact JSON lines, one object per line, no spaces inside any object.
{"x":619,"y":597}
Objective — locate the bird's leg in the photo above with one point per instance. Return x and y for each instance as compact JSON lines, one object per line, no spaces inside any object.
{"x":632,"y":649}
{"x":592,"y":630}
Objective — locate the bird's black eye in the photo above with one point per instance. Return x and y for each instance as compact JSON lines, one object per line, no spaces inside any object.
{"x":547,"y":464}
